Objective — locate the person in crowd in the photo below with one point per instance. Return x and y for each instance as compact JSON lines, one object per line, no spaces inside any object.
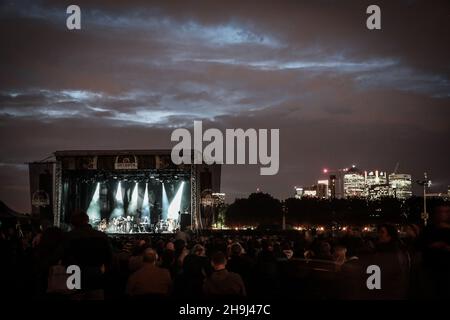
{"x":168,"y":256}
{"x":436,"y":251}
{"x":266,"y":270}
{"x":339,"y":256}
{"x":49,"y":252}
{"x":241,"y":264}
{"x":149,"y":279}
{"x":393,"y":262}
{"x":324,"y":251}
{"x":91,"y":251}
{"x":196,"y":268}
{"x":181,"y":235}
{"x":354,"y":242}
{"x":222,"y":283}
{"x":136,"y":261}
{"x":411,"y":239}
{"x":287,"y":250}
{"x":170,"y":246}
{"x":180,"y":253}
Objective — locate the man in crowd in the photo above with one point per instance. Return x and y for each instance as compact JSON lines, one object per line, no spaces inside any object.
{"x":223,"y":283}
{"x":149,"y":279}
{"x":91,"y":251}
{"x":436,"y":251}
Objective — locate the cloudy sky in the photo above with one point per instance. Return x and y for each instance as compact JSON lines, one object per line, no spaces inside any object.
{"x":339,"y":93}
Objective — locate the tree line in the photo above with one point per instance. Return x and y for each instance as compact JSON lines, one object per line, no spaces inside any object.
{"x":263,"y":209}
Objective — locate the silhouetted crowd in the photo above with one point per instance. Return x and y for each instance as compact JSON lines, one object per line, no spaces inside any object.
{"x":218,"y":265}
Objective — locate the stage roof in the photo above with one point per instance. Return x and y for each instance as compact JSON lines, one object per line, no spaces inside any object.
{"x":82,"y":153}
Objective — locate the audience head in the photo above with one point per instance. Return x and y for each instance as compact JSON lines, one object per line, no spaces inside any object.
{"x":179,"y":245}
{"x":80,"y":219}
{"x":170,"y":246}
{"x":387,"y":233}
{"x":412,"y":231}
{"x":218,"y":261}
{"x":441,"y":214}
{"x":198,"y":250}
{"x":267,"y":245}
{"x":236,"y":249}
{"x":150,"y":256}
{"x":339,"y":255}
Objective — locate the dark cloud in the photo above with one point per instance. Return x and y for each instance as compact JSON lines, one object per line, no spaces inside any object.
{"x":340,"y":94}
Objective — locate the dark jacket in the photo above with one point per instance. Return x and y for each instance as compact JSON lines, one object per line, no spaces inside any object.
{"x":149,"y":279}
{"x":224,"y":283}
{"x":90,"y":250}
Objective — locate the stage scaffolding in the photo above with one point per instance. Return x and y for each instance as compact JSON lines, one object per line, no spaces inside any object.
{"x":60,"y":170}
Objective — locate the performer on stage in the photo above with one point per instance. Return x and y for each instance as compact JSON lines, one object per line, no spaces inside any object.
{"x":103,"y":225}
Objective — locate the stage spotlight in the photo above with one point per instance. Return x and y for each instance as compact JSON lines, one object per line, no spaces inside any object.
{"x":132,"y":206}
{"x":175,"y":205}
{"x":118,"y":210}
{"x":145,"y":204}
{"x":93,"y":210}
{"x":119,"y":197}
{"x":165,"y":203}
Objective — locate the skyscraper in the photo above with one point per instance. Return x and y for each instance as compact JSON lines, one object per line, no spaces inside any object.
{"x":376,"y":185}
{"x":336,"y":184}
{"x":332,"y":186}
{"x":400,"y":185}
{"x":375,"y":177}
{"x":298,"y":192}
{"x":354,"y":183}
{"x":322,"y":189}
{"x":377,"y":191}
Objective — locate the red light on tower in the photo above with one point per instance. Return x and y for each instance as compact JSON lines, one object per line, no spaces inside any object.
{"x":325,"y":170}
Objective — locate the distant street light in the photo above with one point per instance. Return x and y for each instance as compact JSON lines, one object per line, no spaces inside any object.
{"x":425,"y":183}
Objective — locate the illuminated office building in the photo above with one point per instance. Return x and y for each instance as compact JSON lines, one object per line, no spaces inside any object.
{"x":322,"y":189}
{"x":218,"y":199}
{"x":310,"y":192}
{"x":378,"y":191}
{"x":306,"y":192}
{"x":375,"y":177}
{"x":336,"y":184}
{"x":298,"y":193}
{"x":375,"y":184}
{"x":354,"y":184}
{"x":400,"y":185}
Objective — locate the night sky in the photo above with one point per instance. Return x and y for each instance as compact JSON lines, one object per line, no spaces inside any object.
{"x":339,"y":93}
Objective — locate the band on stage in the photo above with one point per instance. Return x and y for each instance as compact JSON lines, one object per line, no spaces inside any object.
{"x":135,"y":224}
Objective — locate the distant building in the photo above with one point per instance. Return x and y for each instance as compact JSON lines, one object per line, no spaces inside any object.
{"x":310,"y":192}
{"x":336,"y":184}
{"x":378,"y":191}
{"x":332,"y":186}
{"x":218,"y":198}
{"x":354,"y":183}
{"x":400,"y":185}
{"x":375,"y":177}
{"x":305,"y":192}
{"x":322,"y":189}
{"x":376,"y":184}
{"x":298,"y":193}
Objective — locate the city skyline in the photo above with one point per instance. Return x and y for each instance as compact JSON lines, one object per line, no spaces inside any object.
{"x":338,"y":92}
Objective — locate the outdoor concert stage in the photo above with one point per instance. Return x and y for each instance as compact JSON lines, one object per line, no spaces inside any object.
{"x":123,"y":191}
